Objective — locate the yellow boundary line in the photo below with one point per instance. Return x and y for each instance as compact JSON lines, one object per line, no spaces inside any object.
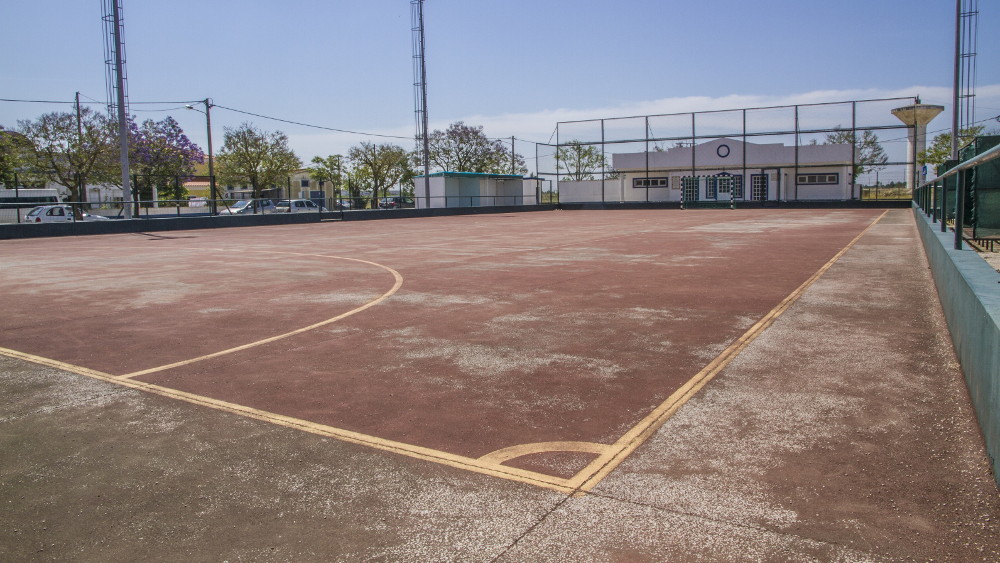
{"x":609,"y":456}
{"x":590,"y":476}
{"x":462,"y":462}
{"x":513,"y":452}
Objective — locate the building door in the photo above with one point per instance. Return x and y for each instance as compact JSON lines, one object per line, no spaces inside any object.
{"x":758,"y":187}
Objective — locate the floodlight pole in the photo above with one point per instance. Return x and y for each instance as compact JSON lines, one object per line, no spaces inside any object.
{"x":122,"y":110}
{"x":423,"y":99}
{"x":956,"y":86}
{"x":420,"y":70}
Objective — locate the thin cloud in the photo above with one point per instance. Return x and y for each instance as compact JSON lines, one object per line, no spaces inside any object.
{"x":539,"y":126}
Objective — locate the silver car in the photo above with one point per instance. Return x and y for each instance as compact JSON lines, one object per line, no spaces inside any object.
{"x":246,"y":207}
{"x":298,"y":206}
{"x":59,"y":214}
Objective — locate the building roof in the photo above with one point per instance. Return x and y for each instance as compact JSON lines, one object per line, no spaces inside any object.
{"x":729,"y":153}
{"x":473,"y":175}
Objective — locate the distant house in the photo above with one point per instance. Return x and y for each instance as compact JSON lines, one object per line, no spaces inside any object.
{"x":723,"y":170}
{"x":95,"y":194}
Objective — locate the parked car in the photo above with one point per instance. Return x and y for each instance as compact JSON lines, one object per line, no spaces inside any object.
{"x":59,"y":214}
{"x":298,"y":206}
{"x":395,"y":202}
{"x":246,"y":207}
{"x":342,"y":204}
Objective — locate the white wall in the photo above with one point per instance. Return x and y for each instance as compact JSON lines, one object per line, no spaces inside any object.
{"x":466,"y":191}
{"x":587,"y":191}
{"x":727,"y":155}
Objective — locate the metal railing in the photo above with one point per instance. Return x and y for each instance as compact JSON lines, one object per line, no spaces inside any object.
{"x":944,"y":198}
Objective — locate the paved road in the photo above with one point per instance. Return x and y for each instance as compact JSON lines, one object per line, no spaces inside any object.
{"x":843,"y":432}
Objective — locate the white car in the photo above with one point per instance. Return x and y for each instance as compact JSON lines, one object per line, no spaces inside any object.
{"x":246,"y":207}
{"x":59,"y":214}
{"x":298,"y":206}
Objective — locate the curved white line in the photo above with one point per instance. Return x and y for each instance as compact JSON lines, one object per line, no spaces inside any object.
{"x":376,"y":301}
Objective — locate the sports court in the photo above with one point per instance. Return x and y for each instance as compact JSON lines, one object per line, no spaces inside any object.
{"x":540,"y":347}
{"x":625,"y":385}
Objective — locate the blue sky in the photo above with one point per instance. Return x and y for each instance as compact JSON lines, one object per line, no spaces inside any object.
{"x":515,"y":66}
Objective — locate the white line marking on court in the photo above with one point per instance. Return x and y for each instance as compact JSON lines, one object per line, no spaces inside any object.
{"x":609,"y":457}
{"x":398,"y":283}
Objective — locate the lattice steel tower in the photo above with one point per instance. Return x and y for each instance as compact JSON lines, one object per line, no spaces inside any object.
{"x":117,"y":90}
{"x":964,"y":95}
{"x":970,"y":43}
{"x":420,"y":89}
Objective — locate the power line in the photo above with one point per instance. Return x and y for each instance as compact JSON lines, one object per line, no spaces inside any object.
{"x":159,"y":110}
{"x":312,"y":125}
{"x":36,"y":101}
{"x":92,"y":101}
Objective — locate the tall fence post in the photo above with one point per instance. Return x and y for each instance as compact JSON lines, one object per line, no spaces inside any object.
{"x":959,"y":208}
{"x":17,"y":197}
{"x":944,"y":206}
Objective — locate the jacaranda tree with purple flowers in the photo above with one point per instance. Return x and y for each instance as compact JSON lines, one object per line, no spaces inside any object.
{"x":161,"y":156}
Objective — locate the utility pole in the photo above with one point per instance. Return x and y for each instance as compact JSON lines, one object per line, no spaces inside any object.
{"x":79,"y":123}
{"x":211,"y":164}
{"x":513,"y":158}
{"x":81,"y":185}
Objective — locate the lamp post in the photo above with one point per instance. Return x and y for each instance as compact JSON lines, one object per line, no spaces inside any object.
{"x":211,"y":161}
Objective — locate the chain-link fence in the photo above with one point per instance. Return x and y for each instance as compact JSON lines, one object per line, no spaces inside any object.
{"x":853,"y":150}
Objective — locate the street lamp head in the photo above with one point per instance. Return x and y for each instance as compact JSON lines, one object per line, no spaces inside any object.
{"x":189,"y":106}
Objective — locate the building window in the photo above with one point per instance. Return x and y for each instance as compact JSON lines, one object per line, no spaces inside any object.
{"x":758,"y":187}
{"x":650,"y":182}
{"x":725,"y":184}
{"x":711,"y":187}
{"x":729,"y":184}
{"x":690,"y":186}
{"x":818,"y":179}
{"x":304,"y":183}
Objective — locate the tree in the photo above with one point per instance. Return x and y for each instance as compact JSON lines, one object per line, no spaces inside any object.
{"x":163,"y":156}
{"x":329,"y":169}
{"x":379,"y":167}
{"x":15,"y":157}
{"x":465,"y":148}
{"x":940,"y":149}
{"x":70,"y":156}
{"x":255,"y":158}
{"x":580,"y":162}
{"x":871,"y":155}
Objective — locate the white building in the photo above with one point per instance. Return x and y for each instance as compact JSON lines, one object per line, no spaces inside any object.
{"x":721,"y":170}
{"x":473,"y":189}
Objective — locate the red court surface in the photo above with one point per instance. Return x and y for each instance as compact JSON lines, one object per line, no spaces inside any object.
{"x":531,"y":346}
